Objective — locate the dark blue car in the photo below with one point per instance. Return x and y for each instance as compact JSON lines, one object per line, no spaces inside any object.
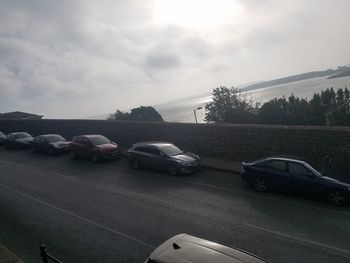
{"x":295,"y":175}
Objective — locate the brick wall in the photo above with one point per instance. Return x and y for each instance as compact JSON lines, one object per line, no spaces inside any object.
{"x":322,"y":146}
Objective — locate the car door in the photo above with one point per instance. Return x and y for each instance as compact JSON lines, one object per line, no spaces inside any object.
{"x":146,"y":156}
{"x":303,"y":179}
{"x":36,"y":143}
{"x":157,"y":159}
{"x":9,"y":139}
{"x":75,"y":145}
{"x":85,"y":147}
{"x":276,"y":173}
{"x":44,"y":144}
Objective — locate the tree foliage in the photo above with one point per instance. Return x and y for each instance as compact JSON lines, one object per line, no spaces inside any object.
{"x":325,"y":108}
{"x":229,"y":105}
{"x":142,"y":113}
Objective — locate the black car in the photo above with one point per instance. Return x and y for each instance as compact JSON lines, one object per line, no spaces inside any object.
{"x":2,"y":138}
{"x":163,"y":156}
{"x":18,"y":140}
{"x":295,"y":175}
{"x":50,"y":143}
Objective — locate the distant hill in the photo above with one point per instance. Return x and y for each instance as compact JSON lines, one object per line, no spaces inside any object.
{"x":309,"y":75}
{"x":345,"y":73}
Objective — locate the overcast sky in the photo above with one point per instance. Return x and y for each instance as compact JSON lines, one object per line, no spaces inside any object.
{"x":81,"y":58}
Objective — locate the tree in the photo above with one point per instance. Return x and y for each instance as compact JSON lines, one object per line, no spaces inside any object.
{"x":142,"y":113}
{"x":229,"y":106}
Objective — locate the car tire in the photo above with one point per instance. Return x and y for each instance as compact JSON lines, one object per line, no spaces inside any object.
{"x":73,"y":155}
{"x":95,"y":158}
{"x":173,"y":170}
{"x":260,"y":184}
{"x":336,"y":197}
{"x":134,"y":163}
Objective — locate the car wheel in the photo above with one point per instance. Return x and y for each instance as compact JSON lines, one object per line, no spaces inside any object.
{"x":172,"y":170}
{"x":95,"y":158}
{"x":260,"y":184}
{"x":33,"y":149}
{"x":73,"y":155}
{"x":135,"y":164}
{"x":335,"y":197}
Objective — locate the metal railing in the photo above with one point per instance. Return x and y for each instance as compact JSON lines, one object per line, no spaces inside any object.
{"x":46,"y":256}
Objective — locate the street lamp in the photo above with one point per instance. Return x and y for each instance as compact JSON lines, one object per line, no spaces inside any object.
{"x":195,"y":115}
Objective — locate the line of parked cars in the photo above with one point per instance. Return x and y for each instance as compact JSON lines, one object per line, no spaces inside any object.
{"x":163,"y":156}
{"x":263,"y":175}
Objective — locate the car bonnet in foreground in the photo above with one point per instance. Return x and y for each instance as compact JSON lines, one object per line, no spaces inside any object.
{"x":186,"y":248}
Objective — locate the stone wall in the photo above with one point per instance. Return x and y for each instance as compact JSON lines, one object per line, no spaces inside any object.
{"x":322,"y":146}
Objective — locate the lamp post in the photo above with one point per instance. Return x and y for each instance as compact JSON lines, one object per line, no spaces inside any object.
{"x":195,"y":115}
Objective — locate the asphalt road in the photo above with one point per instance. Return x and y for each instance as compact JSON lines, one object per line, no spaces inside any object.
{"x":107,"y":212}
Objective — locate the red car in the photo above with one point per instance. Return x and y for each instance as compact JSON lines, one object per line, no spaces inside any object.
{"x":96,"y":147}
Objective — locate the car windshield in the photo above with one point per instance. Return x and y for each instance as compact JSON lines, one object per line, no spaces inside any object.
{"x":55,"y":138}
{"x":22,"y":135}
{"x":98,"y":140}
{"x":313,"y":170}
{"x":171,"y":150}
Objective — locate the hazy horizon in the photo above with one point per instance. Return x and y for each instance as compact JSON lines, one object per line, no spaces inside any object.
{"x":67,"y":59}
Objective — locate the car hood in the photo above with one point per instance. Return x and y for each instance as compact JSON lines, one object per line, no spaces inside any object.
{"x":333,"y":181}
{"x":107,"y":146}
{"x":60,"y":144}
{"x":185,"y":157}
{"x":25,"y":140}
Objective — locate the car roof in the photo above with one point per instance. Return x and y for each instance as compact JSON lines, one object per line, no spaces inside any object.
{"x":186,"y":248}
{"x":158,"y":144}
{"x":278,"y":159}
{"x":49,"y":135}
{"x":89,"y":135}
{"x":14,"y":133}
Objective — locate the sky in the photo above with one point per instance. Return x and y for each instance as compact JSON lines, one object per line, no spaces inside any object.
{"x":81,"y":58}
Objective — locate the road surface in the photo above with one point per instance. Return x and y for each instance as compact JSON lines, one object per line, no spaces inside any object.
{"x":107,"y":212}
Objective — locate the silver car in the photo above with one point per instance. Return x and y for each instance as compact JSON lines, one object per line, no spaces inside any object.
{"x":184,"y":248}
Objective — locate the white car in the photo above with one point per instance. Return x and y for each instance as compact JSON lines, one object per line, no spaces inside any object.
{"x":184,"y":248}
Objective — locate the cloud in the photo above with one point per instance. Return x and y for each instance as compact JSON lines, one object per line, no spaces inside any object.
{"x":81,"y":58}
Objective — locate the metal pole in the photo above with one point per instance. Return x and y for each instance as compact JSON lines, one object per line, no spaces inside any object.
{"x":43,"y":253}
{"x":195,"y":116}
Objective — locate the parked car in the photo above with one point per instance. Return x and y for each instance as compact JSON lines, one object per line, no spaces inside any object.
{"x":2,"y":138}
{"x":186,"y":248}
{"x":96,"y":147}
{"x":50,"y":143}
{"x":18,"y":140}
{"x":163,"y":156}
{"x":295,"y":175}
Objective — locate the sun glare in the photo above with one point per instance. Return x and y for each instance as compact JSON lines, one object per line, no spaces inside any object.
{"x":197,"y":13}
